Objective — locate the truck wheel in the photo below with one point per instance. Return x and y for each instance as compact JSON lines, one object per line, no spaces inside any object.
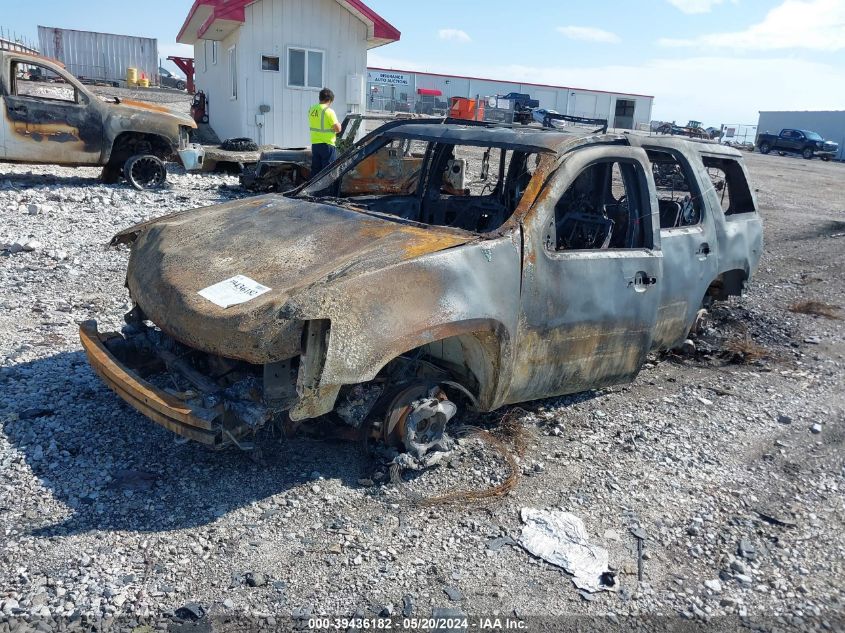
{"x":825,"y":158}
{"x":765,"y":148}
{"x":180,"y":85}
{"x":807,"y":153}
{"x":145,"y":171}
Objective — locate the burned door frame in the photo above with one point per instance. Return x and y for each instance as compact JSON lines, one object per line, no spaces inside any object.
{"x":691,"y":253}
{"x":587,"y":317}
{"x":42,"y":130}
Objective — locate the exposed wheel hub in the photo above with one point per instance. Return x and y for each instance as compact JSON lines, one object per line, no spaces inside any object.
{"x":417,"y":418}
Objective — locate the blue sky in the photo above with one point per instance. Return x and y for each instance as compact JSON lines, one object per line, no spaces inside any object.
{"x":718,"y":61}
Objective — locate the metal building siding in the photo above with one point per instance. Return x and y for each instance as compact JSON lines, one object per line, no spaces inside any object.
{"x":271,"y":27}
{"x":829,"y":123}
{"x":576,"y":101}
{"x":100,"y":55}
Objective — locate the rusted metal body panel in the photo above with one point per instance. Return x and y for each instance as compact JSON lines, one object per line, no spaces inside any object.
{"x":81,"y":129}
{"x":154,"y":403}
{"x":354,"y":289}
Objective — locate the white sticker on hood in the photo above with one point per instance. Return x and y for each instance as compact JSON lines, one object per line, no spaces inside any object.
{"x":232,"y":291}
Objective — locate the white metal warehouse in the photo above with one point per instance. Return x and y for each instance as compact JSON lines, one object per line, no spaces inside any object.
{"x":392,"y":89}
{"x":830,"y":124}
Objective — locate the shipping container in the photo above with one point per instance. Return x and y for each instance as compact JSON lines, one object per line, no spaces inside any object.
{"x":100,"y":56}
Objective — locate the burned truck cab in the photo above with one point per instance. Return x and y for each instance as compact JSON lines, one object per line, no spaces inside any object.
{"x":49,"y":117}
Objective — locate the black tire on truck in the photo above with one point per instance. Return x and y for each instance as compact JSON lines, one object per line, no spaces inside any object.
{"x":145,"y":171}
{"x":180,"y":85}
{"x":765,"y":147}
{"x":807,"y":153}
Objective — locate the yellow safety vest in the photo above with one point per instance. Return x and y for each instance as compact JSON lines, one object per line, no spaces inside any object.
{"x":321,"y":129}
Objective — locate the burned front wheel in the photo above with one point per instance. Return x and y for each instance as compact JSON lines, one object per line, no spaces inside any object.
{"x":145,"y":171}
{"x":415,"y":419}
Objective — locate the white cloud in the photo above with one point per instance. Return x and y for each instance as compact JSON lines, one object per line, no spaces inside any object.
{"x":456,"y":35}
{"x":588,"y":34}
{"x":695,"y":6}
{"x":813,"y":24}
{"x":680,"y":86}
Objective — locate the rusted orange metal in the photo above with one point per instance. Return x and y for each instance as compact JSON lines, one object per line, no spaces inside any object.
{"x":464,"y":108}
{"x":154,"y":403}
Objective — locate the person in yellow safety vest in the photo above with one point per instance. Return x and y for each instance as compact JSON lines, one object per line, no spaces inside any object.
{"x":324,"y":128}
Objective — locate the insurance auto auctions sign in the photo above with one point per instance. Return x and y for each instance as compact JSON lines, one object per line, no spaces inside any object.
{"x":388,"y":78}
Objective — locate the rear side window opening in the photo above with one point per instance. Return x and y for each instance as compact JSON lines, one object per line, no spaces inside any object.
{"x":678,"y":198}
{"x":730,"y":184}
{"x":468,"y":187}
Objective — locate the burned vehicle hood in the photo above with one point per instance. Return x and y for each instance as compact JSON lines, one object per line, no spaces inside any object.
{"x":292,"y":246}
{"x":129,"y":108}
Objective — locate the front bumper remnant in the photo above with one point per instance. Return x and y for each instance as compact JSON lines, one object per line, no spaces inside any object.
{"x":173,"y":414}
{"x":192,"y":157}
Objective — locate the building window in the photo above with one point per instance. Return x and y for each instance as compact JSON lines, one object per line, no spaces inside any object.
{"x":233,"y":72}
{"x":270,"y":62}
{"x":305,"y":68}
{"x":215,"y":47}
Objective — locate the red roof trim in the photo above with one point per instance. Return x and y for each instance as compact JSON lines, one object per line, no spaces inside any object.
{"x":382,"y":29}
{"x":193,"y":10}
{"x":521,"y":83}
{"x":234,"y":10}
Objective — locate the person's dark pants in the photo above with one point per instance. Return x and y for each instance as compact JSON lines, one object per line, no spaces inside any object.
{"x":322,"y":155}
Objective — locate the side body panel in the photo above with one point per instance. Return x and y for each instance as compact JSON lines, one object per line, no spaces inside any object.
{"x":587,"y":317}
{"x":378,"y":315}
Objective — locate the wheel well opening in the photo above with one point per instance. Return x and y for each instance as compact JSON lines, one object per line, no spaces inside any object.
{"x":728,"y":284}
{"x":471,"y":358}
{"x":129,"y":144}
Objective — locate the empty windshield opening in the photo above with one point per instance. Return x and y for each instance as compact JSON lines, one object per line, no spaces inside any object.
{"x":469,"y":187}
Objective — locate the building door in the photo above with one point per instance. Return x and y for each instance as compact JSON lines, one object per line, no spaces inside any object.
{"x":624,"y":115}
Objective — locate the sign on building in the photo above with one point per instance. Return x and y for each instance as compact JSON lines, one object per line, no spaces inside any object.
{"x":388,"y":78}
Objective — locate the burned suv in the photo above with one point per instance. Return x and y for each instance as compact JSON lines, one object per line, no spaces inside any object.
{"x":432,"y":265}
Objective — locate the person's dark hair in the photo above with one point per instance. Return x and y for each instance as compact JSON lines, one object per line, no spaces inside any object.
{"x":326,"y":95}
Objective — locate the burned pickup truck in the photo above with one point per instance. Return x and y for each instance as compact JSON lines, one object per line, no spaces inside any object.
{"x":432,"y":266}
{"x":50,"y":117}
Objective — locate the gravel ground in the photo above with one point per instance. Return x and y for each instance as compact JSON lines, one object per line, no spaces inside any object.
{"x":733,"y":470}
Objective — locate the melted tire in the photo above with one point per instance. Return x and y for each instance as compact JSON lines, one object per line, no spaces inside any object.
{"x":145,"y":171}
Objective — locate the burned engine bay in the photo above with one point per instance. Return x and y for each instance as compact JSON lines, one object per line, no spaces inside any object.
{"x":407,"y":406}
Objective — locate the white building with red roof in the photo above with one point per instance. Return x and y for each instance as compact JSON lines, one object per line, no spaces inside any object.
{"x":262,"y":63}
